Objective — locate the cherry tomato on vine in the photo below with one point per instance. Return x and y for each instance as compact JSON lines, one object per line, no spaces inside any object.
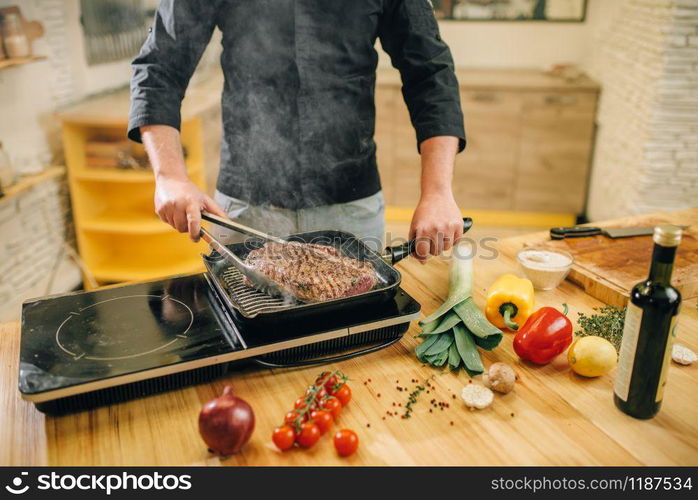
{"x":346,"y":442}
{"x":334,"y":406}
{"x":291,"y":417}
{"x":319,"y":395}
{"x":283,"y":437}
{"x":323,"y":419}
{"x":299,"y":404}
{"x":329,"y":381}
{"x":343,"y":394}
{"x":309,"y":435}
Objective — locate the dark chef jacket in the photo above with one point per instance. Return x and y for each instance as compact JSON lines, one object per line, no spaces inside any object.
{"x":298,"y":100}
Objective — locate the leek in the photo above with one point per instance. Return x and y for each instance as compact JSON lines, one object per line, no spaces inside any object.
{"x":458,"y":327}
{"x":460,"y":287}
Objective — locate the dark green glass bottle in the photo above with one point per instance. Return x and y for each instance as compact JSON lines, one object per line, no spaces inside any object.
{"x":650,"y":326}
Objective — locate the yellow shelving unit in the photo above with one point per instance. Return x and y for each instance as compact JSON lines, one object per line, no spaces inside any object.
{"x":119,"y":236}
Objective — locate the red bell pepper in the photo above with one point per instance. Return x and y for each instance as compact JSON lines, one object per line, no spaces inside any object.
{"x":545,"y":335}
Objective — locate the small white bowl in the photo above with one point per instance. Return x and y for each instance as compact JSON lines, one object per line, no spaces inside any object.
{"x":545,"y":267}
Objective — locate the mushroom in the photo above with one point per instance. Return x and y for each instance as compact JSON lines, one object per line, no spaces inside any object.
{"x":682,"y":355}
{"x":500,"y":377}
{"x":477,"y":396}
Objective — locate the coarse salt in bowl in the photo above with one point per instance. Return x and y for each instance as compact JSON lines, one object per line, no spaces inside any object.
{"x":545,"y":267}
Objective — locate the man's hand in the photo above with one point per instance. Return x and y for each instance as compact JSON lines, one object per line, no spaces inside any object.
{"x":436,"y":224}
{"x":177,"y":200}
{"x":179,"y":203}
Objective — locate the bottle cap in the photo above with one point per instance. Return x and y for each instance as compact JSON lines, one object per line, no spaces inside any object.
{"x":667,"y":235}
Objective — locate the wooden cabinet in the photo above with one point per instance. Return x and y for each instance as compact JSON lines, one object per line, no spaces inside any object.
{"x":530,"y":139}
{"x":119,"y":236}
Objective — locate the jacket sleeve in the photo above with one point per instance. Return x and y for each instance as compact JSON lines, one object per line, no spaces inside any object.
{"x":409,"y":33}
{"x":161,"y":71}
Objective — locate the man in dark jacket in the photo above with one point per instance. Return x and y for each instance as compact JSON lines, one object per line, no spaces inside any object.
{"x":298,"y":113}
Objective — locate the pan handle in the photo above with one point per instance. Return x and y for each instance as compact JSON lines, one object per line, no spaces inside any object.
{"x":399,"y":252}
{"x":331,"y":359}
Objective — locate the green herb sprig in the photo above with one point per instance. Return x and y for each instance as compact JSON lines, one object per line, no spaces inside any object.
{"x":607,"y":323}
{"x":412,"y":399}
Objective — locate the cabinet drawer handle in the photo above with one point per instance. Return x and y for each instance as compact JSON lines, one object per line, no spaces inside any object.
{"x":560,"y":99}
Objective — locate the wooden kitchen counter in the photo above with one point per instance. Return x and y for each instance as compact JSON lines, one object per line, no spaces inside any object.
{"x":553,"y":417}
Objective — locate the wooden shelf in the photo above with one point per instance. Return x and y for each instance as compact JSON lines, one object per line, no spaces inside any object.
{"x":97,"y":175}
{"x":26,"y":182}
{"x":126,"y":224}
{"x":117,"y":175}
{"x":139,"y":270}
{"x":19,"y":61}
{"x":119,"y":237}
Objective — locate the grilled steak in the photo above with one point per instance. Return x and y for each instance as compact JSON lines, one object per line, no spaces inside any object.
{"x":312,"y":273}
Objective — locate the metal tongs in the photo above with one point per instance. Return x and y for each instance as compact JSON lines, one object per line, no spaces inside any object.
{"x":260,"y":281}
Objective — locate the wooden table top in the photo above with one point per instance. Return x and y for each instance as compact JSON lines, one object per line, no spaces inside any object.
{"x":553,"y":417}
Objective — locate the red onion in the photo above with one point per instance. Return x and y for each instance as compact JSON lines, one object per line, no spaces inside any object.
{"x":226,"y":423}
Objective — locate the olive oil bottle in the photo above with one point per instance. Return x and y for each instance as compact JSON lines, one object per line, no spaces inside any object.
{"x":650,"y":326}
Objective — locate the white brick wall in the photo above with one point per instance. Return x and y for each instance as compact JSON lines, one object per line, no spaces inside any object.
{"x":33,"y":262}
{"x":646,"y":155}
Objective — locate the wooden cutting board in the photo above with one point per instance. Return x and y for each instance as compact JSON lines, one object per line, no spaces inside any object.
{"x":608,"y":269}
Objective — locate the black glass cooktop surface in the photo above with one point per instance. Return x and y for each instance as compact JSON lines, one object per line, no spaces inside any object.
{"x":82,"y":337}
{"x":79,"y":338}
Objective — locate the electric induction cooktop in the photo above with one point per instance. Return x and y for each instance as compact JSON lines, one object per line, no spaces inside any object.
{"x":88,"y":349}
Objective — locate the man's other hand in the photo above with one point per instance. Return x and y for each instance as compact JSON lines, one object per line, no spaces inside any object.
{"x":179,"y":203}
{"x":436,"y":224}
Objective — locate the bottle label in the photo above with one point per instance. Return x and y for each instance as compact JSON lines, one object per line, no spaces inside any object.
{"x":631,"y":331}
{"x":665,"y":363}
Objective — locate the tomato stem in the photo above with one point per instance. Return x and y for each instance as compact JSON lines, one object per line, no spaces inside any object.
{"x":312,"y":394}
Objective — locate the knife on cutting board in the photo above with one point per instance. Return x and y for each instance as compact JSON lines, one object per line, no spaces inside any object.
{"x":560,"y":233}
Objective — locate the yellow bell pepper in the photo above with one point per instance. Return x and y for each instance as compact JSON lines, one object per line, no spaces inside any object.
{"x":509,"y":298}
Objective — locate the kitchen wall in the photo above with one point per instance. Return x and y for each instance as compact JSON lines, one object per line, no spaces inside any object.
{"x":35,"y":246}
{"x":35,"y":227}
{"x":512,"y":44}
{"x":29,"y":94}
{"x":646,"y":57}
{"x":531,"y":44}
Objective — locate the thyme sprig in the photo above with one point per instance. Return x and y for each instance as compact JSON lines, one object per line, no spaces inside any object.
{"x":607,"y":323}
{"x":412,"y":399}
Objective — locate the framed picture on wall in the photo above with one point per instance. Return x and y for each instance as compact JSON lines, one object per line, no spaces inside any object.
{"x":571,"y":11}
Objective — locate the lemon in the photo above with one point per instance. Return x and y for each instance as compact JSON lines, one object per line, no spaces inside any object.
{"x":592,"y":356}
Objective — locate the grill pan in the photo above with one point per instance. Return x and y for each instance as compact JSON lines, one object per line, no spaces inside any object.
{"x":246,"y":303}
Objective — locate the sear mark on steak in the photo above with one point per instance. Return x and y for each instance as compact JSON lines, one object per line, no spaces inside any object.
{"x":311,"y":272}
